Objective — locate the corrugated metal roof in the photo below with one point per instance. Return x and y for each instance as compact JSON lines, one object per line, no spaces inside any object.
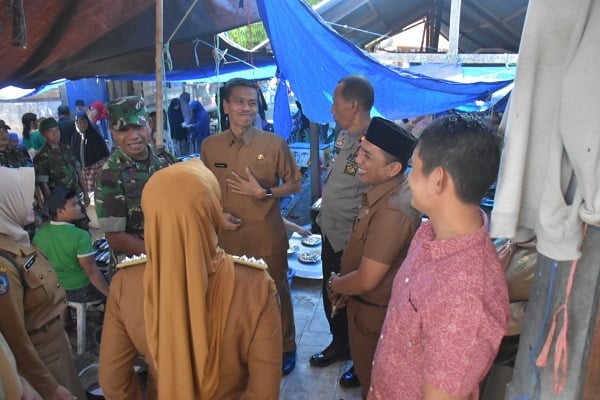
{"x":485,"y":25}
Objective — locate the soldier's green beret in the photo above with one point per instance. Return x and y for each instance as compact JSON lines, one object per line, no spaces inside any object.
{"x":46,"y":124}
{"x":129,"y":110}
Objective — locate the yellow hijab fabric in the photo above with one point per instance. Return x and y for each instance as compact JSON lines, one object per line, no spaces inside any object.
{"x":188,"y":281}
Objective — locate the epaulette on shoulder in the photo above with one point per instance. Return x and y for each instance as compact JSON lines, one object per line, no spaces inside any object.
{"x":257,"y":263}
{"x":131,"y":261}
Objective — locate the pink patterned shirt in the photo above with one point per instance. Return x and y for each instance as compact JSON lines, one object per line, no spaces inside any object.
{"x":447,"y":314}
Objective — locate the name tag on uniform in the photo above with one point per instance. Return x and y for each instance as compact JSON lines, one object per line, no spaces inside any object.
{"x":221,"y":165}
{"x":29,"y":263}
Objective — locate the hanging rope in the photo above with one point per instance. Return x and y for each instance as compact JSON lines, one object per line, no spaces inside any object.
{"x":222,"y":53}
{"x":167,"y":56}
{"x":379,"y":35}
{"x":167,"y":59}
{"x":187,"y":13}
{"x":249,"y":24}
{"x":217,"y":71}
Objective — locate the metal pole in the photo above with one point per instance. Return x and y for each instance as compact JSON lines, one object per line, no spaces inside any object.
{"x":158,"y":63}
{"x":454,"y":31}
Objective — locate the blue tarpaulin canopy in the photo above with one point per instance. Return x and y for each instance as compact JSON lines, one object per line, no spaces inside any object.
{"x":314,"y":58}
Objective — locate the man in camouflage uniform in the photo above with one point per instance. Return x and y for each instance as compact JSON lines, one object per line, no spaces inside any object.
{"x":55,"y":164}
{"x":123,"y":176}
{"x":9,"y":156}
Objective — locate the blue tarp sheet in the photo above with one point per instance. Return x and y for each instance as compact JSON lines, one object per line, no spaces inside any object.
{"x":314,"y":58}
{"x":87,"y":89}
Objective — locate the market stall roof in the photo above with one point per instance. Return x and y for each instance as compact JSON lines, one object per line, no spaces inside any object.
{"x":72,"y":40}
{"x":490,"y":26}
{"x":65,"y":39}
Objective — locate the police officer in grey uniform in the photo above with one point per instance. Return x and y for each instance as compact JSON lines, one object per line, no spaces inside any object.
{"x":352,"y":101}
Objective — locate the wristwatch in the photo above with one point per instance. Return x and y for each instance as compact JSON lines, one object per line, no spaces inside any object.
{"x":269,"y":193}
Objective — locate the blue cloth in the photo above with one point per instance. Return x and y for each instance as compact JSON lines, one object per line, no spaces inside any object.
{"x":314,"y":58}
{"x":282,"y":118}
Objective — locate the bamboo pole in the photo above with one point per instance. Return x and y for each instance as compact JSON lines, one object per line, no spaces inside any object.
{"x":159,"y":71}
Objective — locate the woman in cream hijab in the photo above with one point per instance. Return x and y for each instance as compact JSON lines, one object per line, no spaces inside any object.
{"x":213,"y":326}
{"x":31,"y":299}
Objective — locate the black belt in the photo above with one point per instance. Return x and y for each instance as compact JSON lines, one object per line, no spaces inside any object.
{"x":367,"y":303}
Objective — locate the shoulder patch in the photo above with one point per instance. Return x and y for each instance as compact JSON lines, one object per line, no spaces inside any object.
{"x":257,"y":263}
{"x":133,"y":260}
{"x":4,"y":284}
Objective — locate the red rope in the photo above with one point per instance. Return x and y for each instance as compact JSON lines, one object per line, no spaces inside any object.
{"x":561,"y":349}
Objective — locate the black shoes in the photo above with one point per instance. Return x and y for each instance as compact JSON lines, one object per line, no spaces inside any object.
{"x":328,"y":356}
{"x":289,"y":362}
{"x":349,"y":379}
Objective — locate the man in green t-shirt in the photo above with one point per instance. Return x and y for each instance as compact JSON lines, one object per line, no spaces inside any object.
{"x":70,"y":249}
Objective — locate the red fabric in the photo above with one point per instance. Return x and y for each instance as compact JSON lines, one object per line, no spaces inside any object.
{"x":447,"y":314}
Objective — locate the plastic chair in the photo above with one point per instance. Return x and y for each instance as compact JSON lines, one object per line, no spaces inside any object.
{"x":81,"y":311}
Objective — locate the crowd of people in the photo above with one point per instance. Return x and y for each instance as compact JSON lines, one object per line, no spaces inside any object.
{"x":420,"y":306}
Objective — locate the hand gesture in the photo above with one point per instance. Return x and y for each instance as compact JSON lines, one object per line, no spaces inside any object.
{"x":250,"y":187}
{"x":302,"y":231}
{"x":231,"y":222}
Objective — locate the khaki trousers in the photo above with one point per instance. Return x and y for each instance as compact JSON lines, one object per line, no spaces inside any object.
{"x":364,"y":328}
{"x":278,"y":269}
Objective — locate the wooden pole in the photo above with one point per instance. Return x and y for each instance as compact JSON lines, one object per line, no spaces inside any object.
{"x":315,"y":167}
{"x":159,"y":70}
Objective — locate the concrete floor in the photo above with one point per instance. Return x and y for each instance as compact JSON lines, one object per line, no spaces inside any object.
{"x":312,"y":336}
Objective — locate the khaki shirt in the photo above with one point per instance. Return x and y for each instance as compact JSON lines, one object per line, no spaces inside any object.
{"x":262,"y":232}
{"x":382,"y":232}
{"x":343,"y":191}
{"x":28,"y":306}
{"x":250,"y":366}
{"x":124,"y":337}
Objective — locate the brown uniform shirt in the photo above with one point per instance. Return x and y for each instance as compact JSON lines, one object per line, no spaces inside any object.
{"x":124,"y":337}
{"x":28,"y":307}
{"x":251,"y":347}
{"x":382,"y":231}
{"x":262,"y":232}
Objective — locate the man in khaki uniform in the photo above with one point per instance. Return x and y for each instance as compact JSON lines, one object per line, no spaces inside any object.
{"x":31,"y":298}
{"x":379,"y":241}
{"x":249,"y":165}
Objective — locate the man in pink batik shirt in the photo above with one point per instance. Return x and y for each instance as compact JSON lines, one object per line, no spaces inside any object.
{"x":449,"y":305}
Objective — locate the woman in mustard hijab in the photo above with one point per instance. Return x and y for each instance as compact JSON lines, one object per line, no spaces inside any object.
{"x":213,"y":325}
